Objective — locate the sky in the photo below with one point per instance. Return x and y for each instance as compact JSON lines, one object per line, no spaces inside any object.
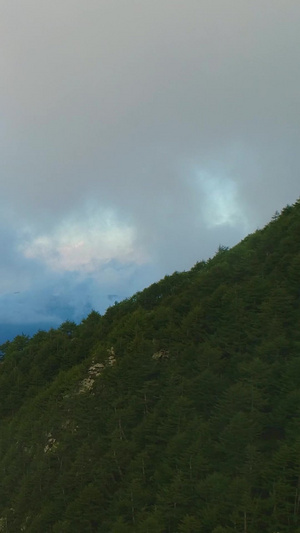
{"x":136,"y":136}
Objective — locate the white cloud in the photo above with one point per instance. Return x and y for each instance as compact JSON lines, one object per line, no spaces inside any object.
{"x":85,"y":243}
{"x":220,"y":201}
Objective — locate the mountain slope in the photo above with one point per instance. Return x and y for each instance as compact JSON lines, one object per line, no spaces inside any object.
{"x":176,"y":411}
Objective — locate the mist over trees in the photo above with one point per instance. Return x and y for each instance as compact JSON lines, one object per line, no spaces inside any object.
{"x":177,"y":411}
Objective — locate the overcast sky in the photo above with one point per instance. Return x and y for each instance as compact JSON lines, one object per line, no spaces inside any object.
{"x":137,"y":136}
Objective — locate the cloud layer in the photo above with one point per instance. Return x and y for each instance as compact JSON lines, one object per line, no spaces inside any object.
{"x":141,"y":133}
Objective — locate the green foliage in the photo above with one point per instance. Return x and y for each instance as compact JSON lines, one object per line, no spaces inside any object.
{"x":175,"y":412}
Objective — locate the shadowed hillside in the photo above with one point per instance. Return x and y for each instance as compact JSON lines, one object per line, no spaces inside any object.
{"x":178,"y":411}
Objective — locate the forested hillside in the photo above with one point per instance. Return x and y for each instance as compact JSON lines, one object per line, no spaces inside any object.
{"x":178,"y":411}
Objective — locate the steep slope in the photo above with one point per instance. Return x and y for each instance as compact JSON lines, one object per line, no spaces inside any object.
{"x":176,"y":411}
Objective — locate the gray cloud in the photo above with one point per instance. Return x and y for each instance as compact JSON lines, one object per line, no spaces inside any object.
{"x":182,"y":118}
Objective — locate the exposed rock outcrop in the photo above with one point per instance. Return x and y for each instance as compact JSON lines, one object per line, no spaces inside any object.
{"x":160,"y":355}
{"x":96,"y":370}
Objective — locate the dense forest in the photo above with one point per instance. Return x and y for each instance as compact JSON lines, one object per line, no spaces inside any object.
{"x":177,"y":411}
